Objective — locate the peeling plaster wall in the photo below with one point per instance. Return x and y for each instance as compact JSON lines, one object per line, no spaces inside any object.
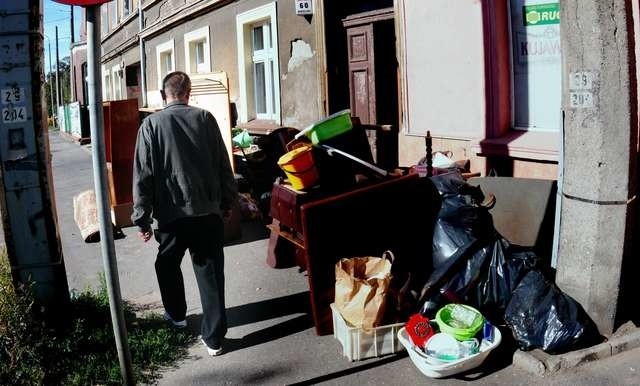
{"x":299,"y":101}
{"x":299,"y":91}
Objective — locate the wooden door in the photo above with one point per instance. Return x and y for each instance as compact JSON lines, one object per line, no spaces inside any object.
{"x":362,"y":89}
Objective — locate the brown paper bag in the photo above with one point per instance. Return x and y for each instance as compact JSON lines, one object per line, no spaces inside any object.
{"x":361,"y":289}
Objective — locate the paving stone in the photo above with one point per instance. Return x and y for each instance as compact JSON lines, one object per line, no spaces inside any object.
{"x":625,"y":342}
{"x":528,"y":362}
{"x":578,"y":357}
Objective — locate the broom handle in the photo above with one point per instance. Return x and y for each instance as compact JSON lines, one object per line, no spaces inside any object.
{"x":330,"y":150}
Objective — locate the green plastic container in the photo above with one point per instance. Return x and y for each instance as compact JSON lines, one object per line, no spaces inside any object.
{"x":460,"y":321}
{"x":334,"y":124}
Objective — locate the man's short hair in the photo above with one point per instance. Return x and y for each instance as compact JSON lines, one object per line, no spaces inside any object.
{"x":176,"y":84}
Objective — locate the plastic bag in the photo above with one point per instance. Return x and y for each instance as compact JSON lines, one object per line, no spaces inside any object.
{"x":506,"y":269}
{"x":541,"y":316}
{"x":242,"y":139}
{"x":461,"y":218}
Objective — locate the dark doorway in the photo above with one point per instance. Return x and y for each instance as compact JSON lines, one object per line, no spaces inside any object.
{"x":132,"y":80}
{"x":362,"y":70}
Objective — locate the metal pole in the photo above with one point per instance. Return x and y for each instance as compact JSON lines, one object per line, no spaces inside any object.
{"x":58,"y":93}
{"x":53,"y":112}
{"x":72,"y":26}
{"x":100,"y":178}
{"x":143,"y":58}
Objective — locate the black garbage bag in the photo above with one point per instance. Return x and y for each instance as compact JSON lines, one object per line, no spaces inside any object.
{"x":461,"y":219}
{"x":541,"y":316}
{"x":489,"y":276}
{"x":506,"y":268}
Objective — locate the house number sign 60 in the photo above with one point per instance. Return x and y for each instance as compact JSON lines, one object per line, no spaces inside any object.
{"x":304,"y":7}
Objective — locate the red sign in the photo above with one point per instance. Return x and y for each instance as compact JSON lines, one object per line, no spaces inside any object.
{"x":83,"y":3}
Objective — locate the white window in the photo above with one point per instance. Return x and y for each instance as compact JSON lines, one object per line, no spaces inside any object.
{"x":536,"y":64}
{"x":196,"y":51}
{"x":165,"y":59}
{"x":104,"y":19}
{"x":113,"y":6}
{"x":258,"y":64}
{"x":106,"y":85}
{"x":127,"y":7}
{"x":117,"y":82}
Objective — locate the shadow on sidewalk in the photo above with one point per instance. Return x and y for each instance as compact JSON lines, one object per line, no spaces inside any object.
{"x":264,"y":310}
{"x":352,"y":370}
{"x":252,"y":230}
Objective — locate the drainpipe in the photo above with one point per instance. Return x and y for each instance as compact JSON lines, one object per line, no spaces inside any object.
{"x":556,"y":223}
{"x":143,"y":58}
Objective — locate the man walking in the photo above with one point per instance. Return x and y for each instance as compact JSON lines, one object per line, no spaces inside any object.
{"x":182,"y":176}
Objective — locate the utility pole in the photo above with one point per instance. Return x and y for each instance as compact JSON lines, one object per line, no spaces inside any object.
{"x":71,"y":27}
{"x":26,"y":190}
{"x":53,"y":112}
{"x":72,"y":69}
{"x":58,"y":93}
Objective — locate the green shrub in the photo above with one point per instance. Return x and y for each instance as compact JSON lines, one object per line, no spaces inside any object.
{"x":85,"y":352}
{"x":19,"y":332}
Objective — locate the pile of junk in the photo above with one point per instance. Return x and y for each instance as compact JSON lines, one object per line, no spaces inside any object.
{"x":480,"y":288}
{"x":332,"y":155}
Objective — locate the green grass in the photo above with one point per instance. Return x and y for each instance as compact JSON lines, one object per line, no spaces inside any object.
{"x":84,"y":353}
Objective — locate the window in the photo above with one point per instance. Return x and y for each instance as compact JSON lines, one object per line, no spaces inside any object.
{"x":117,"y":82}
{"x":126,"y":7}
{"x":536,"y":64}
{"x":113,"y":6}
{"x":106,"y":85}
{"x":258,"y":64}
{"x":197,"y":52}
{"x":104,"y":19}
{"x":262,"y":58}
{"x":165,"y":60}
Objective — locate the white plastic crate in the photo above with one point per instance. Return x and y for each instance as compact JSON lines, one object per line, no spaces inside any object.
{"x":358,"y":343}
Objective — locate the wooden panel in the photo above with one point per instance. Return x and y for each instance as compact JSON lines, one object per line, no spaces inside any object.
{"x":121,"y":123}
{"x":359,"y":90}
{"x":362,"y":92}
{"x":365,"y":222}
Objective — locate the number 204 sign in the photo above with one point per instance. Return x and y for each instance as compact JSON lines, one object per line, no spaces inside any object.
{"x":14,"y":114}
{"x":304,"y":7}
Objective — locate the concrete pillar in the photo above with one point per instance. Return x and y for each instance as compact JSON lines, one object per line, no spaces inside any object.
{"x":600,"y":150}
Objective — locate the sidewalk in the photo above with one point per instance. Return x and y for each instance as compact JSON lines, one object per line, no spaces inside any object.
{"x":271,"y":340}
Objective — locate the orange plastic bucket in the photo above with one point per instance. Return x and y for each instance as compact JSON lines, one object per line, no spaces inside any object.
{"x":299,"y":167}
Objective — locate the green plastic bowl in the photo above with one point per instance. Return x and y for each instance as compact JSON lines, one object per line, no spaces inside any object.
{"x":460,"y":321}
{"x":334,"y":124}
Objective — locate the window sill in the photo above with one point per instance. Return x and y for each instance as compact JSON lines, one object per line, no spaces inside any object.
{"x":541,"y":146}
{"x":259,"y":126}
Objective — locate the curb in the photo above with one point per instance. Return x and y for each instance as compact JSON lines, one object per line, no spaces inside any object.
{"x":540,"y":363}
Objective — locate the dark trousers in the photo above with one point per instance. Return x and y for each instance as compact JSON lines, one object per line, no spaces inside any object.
{"x":203,"y":236}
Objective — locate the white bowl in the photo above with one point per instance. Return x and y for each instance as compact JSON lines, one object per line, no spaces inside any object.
{"x":426,"y":365}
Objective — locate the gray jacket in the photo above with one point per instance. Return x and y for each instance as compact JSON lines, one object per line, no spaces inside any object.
{"x":181,"y":167}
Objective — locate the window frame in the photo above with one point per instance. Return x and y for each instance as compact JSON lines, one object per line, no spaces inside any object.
{"x":244,"y":28}
{"x":116,"y":81}
{"x":194,"y":37}
{"x":114,"y":15}
{"x":162,"y":48}
{"x":127,"y":8}
{"x":512,"y":75}
{"x":106,"y":85}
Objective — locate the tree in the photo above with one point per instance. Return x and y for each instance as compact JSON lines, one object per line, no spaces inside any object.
{"x":65,"y":84}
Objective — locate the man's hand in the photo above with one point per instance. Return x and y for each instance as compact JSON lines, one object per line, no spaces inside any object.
{"x":146,"y":235}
